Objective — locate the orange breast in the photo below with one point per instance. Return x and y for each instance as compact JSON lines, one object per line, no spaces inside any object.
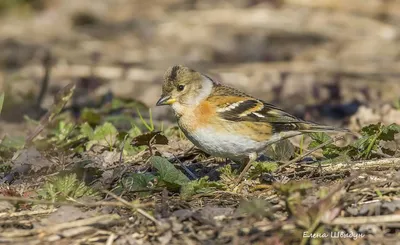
{"x":204,"y":116}
{"x":197,"y":118}
{"x":204,"y":113}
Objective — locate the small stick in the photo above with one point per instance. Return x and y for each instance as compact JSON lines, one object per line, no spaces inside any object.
{"x":186,"y":168}
{"x":309,"y":152}
{"x":134,"y":207}
{"x":47,"y":65}
{"x":27,"y":213}
{"x":57,"y":227}
{"x":111,"y":239}
{"x":252,"y":158}
{"x":362,"y":165}
{"x":380,"y":219}
{"x":122,"y":149}
{"x":78,"y":204}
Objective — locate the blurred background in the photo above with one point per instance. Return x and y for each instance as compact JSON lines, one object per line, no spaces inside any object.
{"x":331,"y":61}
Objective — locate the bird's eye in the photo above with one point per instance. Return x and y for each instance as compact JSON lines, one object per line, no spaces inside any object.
{"x":180,"y":87}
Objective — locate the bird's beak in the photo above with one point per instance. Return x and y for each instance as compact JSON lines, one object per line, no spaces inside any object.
{"x":165,"y":100}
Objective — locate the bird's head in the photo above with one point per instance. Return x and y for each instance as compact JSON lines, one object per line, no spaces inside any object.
{"x":184,"y":87}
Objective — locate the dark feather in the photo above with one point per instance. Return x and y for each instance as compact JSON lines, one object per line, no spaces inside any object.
{"x":267,"y":113}
{"x":174,"y":72}
{"x":280,"y":120}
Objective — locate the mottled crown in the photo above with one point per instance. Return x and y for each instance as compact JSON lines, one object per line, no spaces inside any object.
{"x":179,"y":75}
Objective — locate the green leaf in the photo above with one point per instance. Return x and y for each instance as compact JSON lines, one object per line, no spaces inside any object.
{"x":293,"y":186}
{"x":281,"y":151}
{"x":371,"y":129}
{"x":60,"y":100}
{"x":320,"y":137}
{"x":90,"y":116}
{"x":150,"y":125}
{"x":167,"y":173}
{"x":11,"y":144}
{"x":118,"y":103}
{"x":227,"y":174}
{"x":329,"y":151}
{"x":368,"y":142}
{"x":138,"y":182}
{"x":61,"y":188}
{"x":107,"y":132}
{"x":62,"y":132}
{"x":389,"y":132}
{"x":132,"y":150}
{"x":256,"y":208}
{"x":266,"y":166}
{"x":16,"y":142}
{"x":134,"y":131}
{"x":200,"y":186}
{"x":87,"y":131}
{"x":105,"y":135}
{"x":263,"y":167}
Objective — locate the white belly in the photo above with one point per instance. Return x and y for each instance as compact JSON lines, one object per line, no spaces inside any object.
{"x":231,"y":146}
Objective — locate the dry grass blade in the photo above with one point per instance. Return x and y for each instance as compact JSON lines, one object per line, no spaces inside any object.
{"x":104,"y":219}
{"x":324,"y":205}
{"x":79,"y":204}
{"x":133,"y":207}
{"x":1,"y":101}
{"x":380,"y":219}
{"x":309,"y":152}
{"x":250,"y":162}
{"x":362,"y":165}
{"x":60,"y":100}
{"x":111,"y":239}
{"x":326,"y":61}
{"x":27,"y":213}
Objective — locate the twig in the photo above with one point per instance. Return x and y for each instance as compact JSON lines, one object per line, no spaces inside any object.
{"x":78,"y":204}
{"x":381,"y":219}
{"x":133,"y":207}
{"x":151,"y":141}
{"x":362,"y":165}
{"x":122,"y":149}
{"x":186,"y":168}
{"x":111,"y":239}
{"x":83,"y":222}
{"x":60,"y":100}
{"x":27,"y":213}
{"x":309,"y":152}
{"x":46,"y":62}
{"x":251,"y":157}
{"x":329,"y":200}
{"x":57,"y":227}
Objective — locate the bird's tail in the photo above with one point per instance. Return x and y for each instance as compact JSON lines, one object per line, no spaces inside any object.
{"x":313,"y":128}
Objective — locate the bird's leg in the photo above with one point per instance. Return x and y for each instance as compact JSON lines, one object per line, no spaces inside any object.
{"x":250,"y":159}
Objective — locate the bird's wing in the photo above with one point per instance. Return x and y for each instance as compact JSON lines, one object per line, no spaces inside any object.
{"x":236,"y":106}
{"x":248,"y":109}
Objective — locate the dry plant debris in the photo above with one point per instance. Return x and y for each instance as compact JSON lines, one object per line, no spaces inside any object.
{"x":96,"y":164}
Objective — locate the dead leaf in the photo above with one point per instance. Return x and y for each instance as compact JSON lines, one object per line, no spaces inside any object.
{"x":211,"y":215}
{"x":6,"y":207}
{"x":67,"y":214}
{"x":77,"y":231}
{"x":165,"y":238}
{"x":30,"y":159}
{"x":60,"y":100}
{"x":154,"y":137}
{"x":183,"y":214}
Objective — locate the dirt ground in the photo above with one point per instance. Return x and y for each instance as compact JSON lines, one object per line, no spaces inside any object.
{"x":82,"y":160}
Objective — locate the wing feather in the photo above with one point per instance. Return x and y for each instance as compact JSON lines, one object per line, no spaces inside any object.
{"x":233,"y":105}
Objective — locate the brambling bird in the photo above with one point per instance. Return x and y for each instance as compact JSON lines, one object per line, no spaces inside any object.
{"x":225,"y":122}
